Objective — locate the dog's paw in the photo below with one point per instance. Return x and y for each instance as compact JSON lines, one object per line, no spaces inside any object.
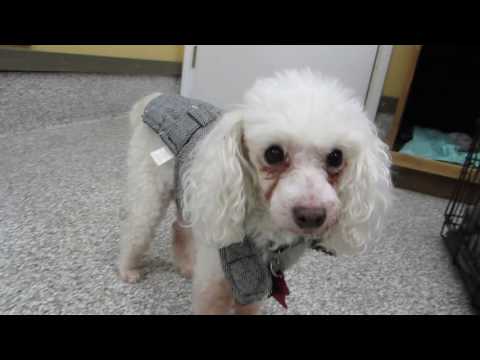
{"x":130,"y":276}
{"x":317,"y":246}
{"x":186,"y":272}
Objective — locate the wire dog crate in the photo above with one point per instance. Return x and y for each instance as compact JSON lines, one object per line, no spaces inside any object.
{"x":461,"y":228}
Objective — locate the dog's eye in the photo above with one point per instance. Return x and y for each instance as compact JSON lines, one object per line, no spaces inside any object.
{"x":335,"y":159}
{"x":274,"y":155}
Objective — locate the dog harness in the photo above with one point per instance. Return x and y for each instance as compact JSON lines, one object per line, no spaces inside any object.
{"x":181,"y":123}
{"x":253,"y":273}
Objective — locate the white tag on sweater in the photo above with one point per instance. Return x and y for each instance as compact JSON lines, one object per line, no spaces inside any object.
{"x":162,"y":156}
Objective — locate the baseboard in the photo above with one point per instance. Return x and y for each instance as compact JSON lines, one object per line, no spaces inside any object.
{"x":27,"y":60}
{"x":388,"y":105}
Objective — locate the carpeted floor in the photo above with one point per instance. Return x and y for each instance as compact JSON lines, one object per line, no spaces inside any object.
{"x":63,"y":141}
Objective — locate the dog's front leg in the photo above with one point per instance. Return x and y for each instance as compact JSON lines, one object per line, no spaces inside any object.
{"x":212,"y":294}
{"x":214,"y":298}
{"x":252,"y":309}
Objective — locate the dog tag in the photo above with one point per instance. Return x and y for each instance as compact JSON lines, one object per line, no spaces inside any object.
{"x":162,"y":156}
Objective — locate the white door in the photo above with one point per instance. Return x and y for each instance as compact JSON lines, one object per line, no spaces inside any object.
{"x":220,"y":74}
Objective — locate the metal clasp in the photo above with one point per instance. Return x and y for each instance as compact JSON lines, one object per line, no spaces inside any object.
{"x":277,"y":263}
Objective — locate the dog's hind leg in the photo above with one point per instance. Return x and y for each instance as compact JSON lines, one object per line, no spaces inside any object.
{"x":148,"y":203}
{"x":148,"y":195}
{"x":183,"y":248}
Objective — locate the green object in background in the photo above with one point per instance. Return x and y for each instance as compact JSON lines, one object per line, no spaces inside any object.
{"x":434,"y":145}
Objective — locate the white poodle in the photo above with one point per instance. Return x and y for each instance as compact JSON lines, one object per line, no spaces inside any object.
{"x":298,"y":160}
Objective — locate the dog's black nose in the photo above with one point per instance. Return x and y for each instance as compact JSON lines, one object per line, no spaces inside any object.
{"x":309,"y":218}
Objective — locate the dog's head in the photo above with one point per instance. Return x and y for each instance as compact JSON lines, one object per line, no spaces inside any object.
{"x":302,"y":149}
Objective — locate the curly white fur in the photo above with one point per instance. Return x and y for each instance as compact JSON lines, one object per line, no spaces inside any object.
{"x":300,"y":104}
{"x":227,"y":192}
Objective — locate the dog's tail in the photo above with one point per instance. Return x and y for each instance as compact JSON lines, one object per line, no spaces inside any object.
{"x":137,"y":110}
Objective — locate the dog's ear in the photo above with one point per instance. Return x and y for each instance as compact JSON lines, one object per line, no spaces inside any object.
{"x":365,"y":193}
{"x":215,"y":184}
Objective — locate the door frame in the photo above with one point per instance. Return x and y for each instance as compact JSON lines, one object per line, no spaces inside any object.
{"x":377,"y":80}
{"x":375,"y":88}
{"x":188,"y":74}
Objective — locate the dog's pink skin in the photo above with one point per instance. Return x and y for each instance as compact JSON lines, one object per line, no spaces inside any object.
{"x":183,"y":249}
{"x":214,"y":299}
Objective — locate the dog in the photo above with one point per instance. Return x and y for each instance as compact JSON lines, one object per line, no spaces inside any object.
{"x":299,"y":159}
